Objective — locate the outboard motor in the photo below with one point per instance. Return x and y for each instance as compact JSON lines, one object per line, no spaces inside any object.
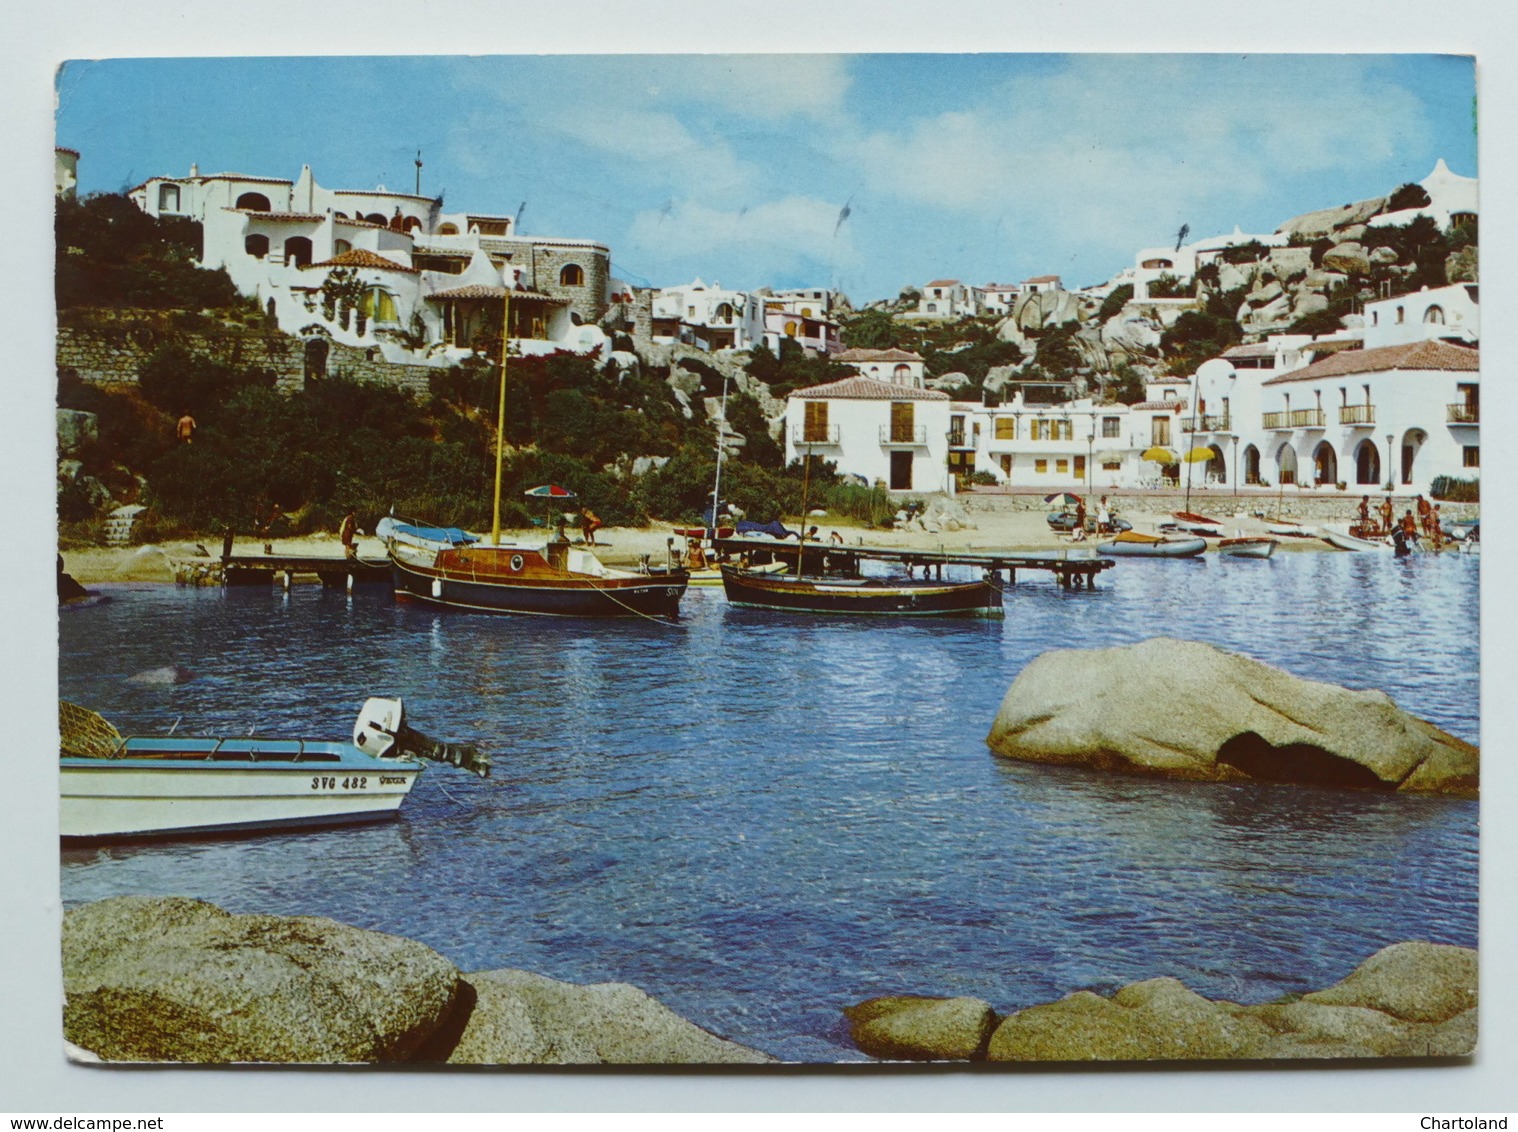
{"x":382,"y":731}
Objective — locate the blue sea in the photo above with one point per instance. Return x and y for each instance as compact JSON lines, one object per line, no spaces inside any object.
{"x":761,"y":819}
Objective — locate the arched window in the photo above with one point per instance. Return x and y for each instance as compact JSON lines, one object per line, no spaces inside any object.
{"x":412,"y":224}
{"x":1434,"y":314}
{"x":790,"y":330}
{"x":298,"y":251}
{"x":448,"y":230}
{"x":341,"y":246}
{"x":724,"y":310}
{"x":168,"y":198}
{"x":316,"y":358}
{"x":253,"y":202}
{"x":256,"y":245}
{"x":573,"y":275}
{"x":1251,"y":464}
{"x":341,"y":215}
{"x":379,"y":305}
{"x":1153,"y":264}
{"x":902,"y":375}
{"x":1286,"y":465}
{"x":376,"y":218}
{"x":269,"y":307}
{"x":806,"y":312}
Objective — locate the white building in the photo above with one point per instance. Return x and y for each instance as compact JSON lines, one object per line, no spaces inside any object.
{"x":708,"y":317}
{"x":803,"y":315}
{"x":1182,"y":263}
{"x":416,"y":284}
{"x":1072,"y":444}
{"x":1452,"y":201}
{"x":65,"y":172}
{"x":999,"y":298}
{"x":947,"y":298}
{"x":893,"y":366}
{"x":1040,"y":283}
{"x":1402,"y":396}
{"x":894,"y":435}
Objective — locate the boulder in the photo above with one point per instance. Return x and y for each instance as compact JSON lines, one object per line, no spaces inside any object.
{"x":1187,"y":710}
{"x":520,"y":1018}
{"x":1158,"y":1019}
{"x":1266,"y":292}
{"x":1383,"y":256}
{"x":920,"y":1028}
{"x":1306,"y":303}
{"x":173,"y":979}
{"x":1348,"y":257}
{"x":1407,"y":1000}
{"x":1288,"y":263}
{"x":1324,"y":221}
{"x":1039,"y":309}
{"x":75,"y":428}
{"x":1232,"y":276}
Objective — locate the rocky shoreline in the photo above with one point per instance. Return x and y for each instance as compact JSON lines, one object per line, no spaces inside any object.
{"x":1408,"y":1000}
{"x":175,"y":980}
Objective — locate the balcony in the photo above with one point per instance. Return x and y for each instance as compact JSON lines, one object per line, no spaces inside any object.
{"x":1306,"y":418}
{"x":899,"y":437}
{"x":958,"y":438}
{"x":814,"y":434}
{"x":1463,"y":413}
{"x":1275,"y":420}
{"x":1357,"y":414}
{"x":1208,"y":422}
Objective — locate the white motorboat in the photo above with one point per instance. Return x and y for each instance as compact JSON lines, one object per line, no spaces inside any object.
{"x":1243,"y":547}
{"x":118,"y":788}
{"x":1337,"y":534}
{"x":1132,"y":544}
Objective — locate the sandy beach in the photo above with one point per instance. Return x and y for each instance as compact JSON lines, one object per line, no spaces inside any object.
{"x":1014,"y":523}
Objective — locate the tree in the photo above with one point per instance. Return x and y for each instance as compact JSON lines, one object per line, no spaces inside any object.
{"x":872,"y":330}
{"x":1406,"y":196}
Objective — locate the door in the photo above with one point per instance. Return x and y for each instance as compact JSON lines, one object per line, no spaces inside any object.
{"x":901,"y":471}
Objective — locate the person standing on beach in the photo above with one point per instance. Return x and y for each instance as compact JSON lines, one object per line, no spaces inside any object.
{"x":185,"y":429}
{"x":1364,"y":514}
{"x":1387,"y":513}
{"x":1103,"y":518}
{"x":1410,"y":526}
{"x":1436,"y":528}
{"x":590,"y":523}
{"x":348,"y":533}
{"x":1425,"y":514}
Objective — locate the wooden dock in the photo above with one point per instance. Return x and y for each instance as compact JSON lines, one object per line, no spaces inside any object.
{"x":837,"y":558}
{"x":336,"y":571}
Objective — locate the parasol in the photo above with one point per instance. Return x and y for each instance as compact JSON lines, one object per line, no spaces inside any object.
{"x":549,"y":491}
{"x":1198,"y":456}
{"x":1062,"y":499}
{"x":1160,"y":455}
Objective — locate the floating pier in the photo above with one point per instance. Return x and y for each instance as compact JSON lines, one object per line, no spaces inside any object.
{"x":836,"y":558}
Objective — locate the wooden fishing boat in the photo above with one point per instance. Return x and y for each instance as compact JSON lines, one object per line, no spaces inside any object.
{"x":435,"y":566}
{"x":1132,"y":544}
{"x":1248,"y":547}
{"x":118,"y":788}
{"x":895,"y":597}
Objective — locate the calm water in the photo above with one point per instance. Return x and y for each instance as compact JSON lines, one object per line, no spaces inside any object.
{"x":761,"y":820}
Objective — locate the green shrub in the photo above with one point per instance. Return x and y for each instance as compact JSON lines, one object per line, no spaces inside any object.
{"x":1167,"y":286}
{"x":1116,"y":299}
{"x":1409,"y":195}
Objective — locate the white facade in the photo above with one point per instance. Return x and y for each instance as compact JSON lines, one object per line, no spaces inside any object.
{"x":1320,"y":412}
{"x":1074,"y":444}
{"x":1150,"y":264}
{"x":1042,"y":283}
{"x":948,"y":298}
{"x":883,"y":433}
{"x":430,"y":284}
{"x":708,"y":317}
{"x":999,"y":298}
{"x":1452,"y":201}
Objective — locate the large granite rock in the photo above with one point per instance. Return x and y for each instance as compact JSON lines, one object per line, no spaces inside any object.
{"x":524,"y":1019}
{"x":75,"y":429}
{"x":920,"y":1028}
{"x":1186,"y":710}
{"x":1407,"y":1000}
{"x":172,"y":979}
{"x":1349,"y":257}
{"x":1326,"y":220}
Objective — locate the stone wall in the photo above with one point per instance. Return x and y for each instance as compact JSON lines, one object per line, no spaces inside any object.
{"x":115,"y":353}
{"x":586,"y":299}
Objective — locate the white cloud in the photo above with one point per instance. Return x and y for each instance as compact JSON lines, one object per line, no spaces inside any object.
{"x":767,"y":239}
{"x":766,"y":87}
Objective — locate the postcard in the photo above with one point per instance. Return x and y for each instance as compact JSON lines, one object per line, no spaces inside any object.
{"x":757,"y":560}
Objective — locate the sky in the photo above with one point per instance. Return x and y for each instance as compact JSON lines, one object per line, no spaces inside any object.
{"x":866,"y":173}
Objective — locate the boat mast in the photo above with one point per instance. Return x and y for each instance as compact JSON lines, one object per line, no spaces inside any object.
{"x":721,"y":436}
{"x":806,"y":480}
{"x":500,"y":427}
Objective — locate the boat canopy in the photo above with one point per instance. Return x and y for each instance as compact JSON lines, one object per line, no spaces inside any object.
{"x":394,"y":528}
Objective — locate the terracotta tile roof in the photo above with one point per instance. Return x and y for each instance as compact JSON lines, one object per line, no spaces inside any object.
{"x":65,"y":149}
{"x":867,"y":389}
{"x":1251,"y":350}
{"x":487,"y":291}
{"x":1043,"y":279}
{"x":861,"y":355}
{"x":363,"y":257}
{"x":1172,"y":405}
{"x":230,"y":177}
{"x":378,"y":193}
{"x":1427,"y":355}
{"x":944,"y":283}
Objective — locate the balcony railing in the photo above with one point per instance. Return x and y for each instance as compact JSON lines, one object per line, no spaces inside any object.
{"x":1307,"y":418}
{"x":1357,"y":414}
{"x":1208,"y":422}
{"x":1275,"y":420}
{"x":814,"y":434}
{"x":1462,"y":413}
{"x":907,"y":437}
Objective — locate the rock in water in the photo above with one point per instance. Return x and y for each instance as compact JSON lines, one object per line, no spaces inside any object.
{"x":172,"y":979}
{"x":1182,"y":709}
{"x":524,"y":1019}
{"x":1407,"y":1000}
{"x":918,"y":1028}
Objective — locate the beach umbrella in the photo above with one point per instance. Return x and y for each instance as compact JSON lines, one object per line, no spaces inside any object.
{"x":1108,"y":457}
{"x":1198,"y":456}
{"x":1160,"y":455}
{"x":549,"y":491}
{"x":1062,"y":499}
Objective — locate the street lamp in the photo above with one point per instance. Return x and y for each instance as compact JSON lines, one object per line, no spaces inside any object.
{"x":1235,"y":467}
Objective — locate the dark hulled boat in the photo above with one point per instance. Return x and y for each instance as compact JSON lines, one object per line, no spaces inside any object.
{"x":896,"y":597}
{"x":446,"y":568}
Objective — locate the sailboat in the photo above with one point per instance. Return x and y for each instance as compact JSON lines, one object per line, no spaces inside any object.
{"x":448,"y":567}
